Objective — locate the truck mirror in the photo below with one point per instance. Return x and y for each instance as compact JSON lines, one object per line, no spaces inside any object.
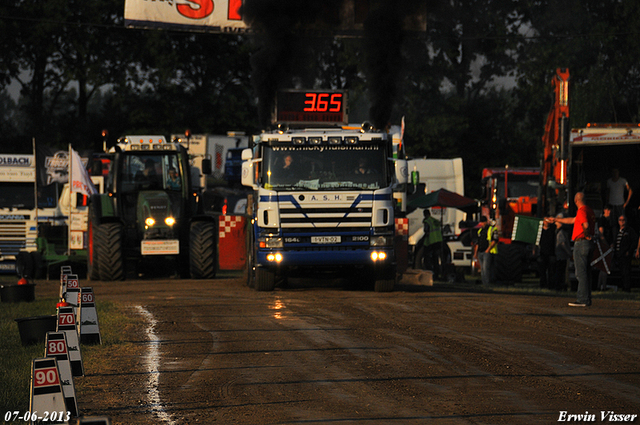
{"x":247,"y":154}
{"x":247,"y":174}
{"x":401,"y":171}
{"x":206,"y":166}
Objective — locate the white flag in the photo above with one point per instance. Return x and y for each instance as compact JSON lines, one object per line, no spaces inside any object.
{"x":80,"y":180}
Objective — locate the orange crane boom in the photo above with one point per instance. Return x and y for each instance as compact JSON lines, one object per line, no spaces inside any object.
{"x":555,"y":142}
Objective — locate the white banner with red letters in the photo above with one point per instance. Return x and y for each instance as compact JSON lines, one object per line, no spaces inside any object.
{"x":80,"y":179}
{"x":210,"y":15}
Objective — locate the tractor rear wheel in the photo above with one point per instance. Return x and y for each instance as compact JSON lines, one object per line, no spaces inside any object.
{"x":108,"y":237}
{"x":202,"y":250}
{"x":93,"y":263}
{"x":510,"y":263}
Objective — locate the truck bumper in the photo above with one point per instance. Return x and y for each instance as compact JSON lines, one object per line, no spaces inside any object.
{"x":327,"y":258}
{"x":8,"y":266}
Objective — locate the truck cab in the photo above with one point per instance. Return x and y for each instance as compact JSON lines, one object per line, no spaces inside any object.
{"x":507,"y":192}
{"x":323,"y":201}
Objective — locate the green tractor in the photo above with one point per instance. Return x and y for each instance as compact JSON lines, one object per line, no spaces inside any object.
{"x":150,"y":211}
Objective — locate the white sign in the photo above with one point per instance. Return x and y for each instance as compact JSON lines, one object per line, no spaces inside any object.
{"x":325,"y":239}
{"x":46,"y":391}
{"x":17,"y":168}
{"x":67,"y":324}
{"x":77,"y":239}
{"x":160,"y":247}
{"x":87,"y":318}
{"x":8,"y":160}
{"x":210,"y":15}
{"x":8,"y":174}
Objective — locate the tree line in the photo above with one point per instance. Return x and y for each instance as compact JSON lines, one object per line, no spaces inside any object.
{"x":475,"y":85}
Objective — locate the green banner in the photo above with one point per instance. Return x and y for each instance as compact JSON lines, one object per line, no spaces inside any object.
{"x":527,"y":229}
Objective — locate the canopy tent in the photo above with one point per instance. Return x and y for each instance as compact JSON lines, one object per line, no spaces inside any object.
{"x":447,"y":199}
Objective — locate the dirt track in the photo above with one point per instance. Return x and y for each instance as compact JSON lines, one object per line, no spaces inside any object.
{"x":320,"y":354}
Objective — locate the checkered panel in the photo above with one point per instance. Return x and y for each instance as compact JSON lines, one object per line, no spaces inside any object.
{"x":228,"y":222}
{"x":402,"y":226}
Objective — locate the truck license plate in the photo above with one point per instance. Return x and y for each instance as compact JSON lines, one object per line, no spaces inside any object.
{"x":160,"y":247}
{"x":325,"y":239}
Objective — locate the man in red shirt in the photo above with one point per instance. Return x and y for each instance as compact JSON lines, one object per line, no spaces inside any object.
{"x":583,"y":230}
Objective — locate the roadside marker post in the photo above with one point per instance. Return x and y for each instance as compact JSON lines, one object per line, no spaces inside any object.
{"x":65,"y":271}
{"x":73,"y":289}
{"x":67,"y":324}
{"x":56,"y":347}
{"x":87,"y":317}
{"x":46,"y":390}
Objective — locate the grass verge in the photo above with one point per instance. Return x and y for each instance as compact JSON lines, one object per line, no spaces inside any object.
{"x":117,"y":330}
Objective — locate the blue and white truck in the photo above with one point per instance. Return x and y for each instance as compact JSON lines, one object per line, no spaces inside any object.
{"x":18,"y":212}
{"x":40,"y":226}
{"x":323,"y":198}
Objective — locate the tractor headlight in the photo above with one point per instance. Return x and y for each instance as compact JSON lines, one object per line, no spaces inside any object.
{"x":170,"y":221}
{"x":149,"y":222}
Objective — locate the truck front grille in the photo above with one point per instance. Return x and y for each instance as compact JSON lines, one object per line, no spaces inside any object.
{"x":16,"y":236}
{"x":325,"y":217}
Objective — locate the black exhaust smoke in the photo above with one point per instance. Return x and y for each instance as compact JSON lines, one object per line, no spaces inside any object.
{"x":383,"y":55}
{"x":283,"y":29}
{"x":281,"y":33}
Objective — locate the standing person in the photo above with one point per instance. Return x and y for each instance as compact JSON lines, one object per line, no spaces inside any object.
{"x":481,"y":241}
{"x":605,"y":224}
{"x":487,"y":250}
{"x":547,"y":258}
{"x":626,"y":241}
{"x":616,"y":187}
{"x":563,"y":254}
{"x":583,"y":231}
{"x":432,"y":243}
{"x":605,"y":233}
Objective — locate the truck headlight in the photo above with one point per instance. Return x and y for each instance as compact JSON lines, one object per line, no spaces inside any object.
{"x":381,"y":241}
{"x":378,"y":255}
{"x":271,"y":242}
{"x":277,"y":257}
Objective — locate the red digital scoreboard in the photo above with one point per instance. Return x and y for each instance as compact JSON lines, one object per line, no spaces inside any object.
{"x":311,"y":107}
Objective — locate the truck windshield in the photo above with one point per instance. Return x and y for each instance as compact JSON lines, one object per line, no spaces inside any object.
{"x":324,"y":167}
{"x":20,"y":196}
{"x":519,"y":185}
{"x":17,"y":196}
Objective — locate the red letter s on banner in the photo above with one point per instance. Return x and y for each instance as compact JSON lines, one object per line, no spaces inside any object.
{"x":234,"y":10}
{"x":205,"y":9}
